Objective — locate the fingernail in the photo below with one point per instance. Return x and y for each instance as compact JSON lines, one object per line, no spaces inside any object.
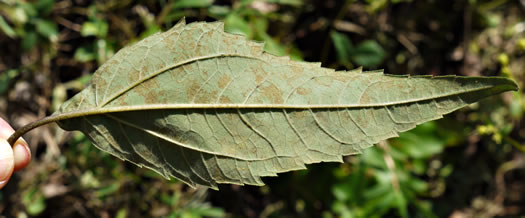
{"x":21,"y":155}
{"x":6,"y":160}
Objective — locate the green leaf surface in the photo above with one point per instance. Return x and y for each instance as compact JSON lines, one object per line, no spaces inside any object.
{"x":5,"y":28}
{"x":192,"y":3}
{"x":368,"y":54}
{"x":6,"y":78}
{"x":29,"y":40}
{"x":94,"y":28}
{"x":211,"y":107}
{"x":343,"y":46}
{"x":47,"y":28}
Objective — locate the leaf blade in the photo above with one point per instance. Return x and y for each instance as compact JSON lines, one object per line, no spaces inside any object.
{"x":215,"y":108}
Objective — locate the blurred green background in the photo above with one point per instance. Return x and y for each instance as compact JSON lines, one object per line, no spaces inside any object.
{"x":469,"y":164}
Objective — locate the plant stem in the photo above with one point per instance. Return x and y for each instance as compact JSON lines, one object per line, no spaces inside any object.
{"x":19,"y":132}
{"x":53,"y":118}
{"x":515,"y":143}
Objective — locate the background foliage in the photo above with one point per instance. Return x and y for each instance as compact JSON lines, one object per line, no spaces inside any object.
{"x":469,"y":164}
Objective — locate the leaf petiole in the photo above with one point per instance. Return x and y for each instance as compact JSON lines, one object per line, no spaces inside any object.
{"x":19,"y":132}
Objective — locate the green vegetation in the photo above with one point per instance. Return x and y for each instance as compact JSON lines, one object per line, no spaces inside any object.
{"x":469,"y":164}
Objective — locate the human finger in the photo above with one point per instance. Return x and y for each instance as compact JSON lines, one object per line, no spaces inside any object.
{"x":7,"y":162}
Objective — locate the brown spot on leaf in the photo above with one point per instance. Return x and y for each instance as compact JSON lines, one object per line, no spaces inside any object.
{"x":299,"y":114}
{"x":224,"y":80}
{"x":324,"y":81}
{"x":297,"y":69}
{"x":365,"y":99}
{"x":255,"y":49}
{"x":148,"y":90}
{"x":259,"y":78}
{"x":273,"y":94}
{"x":225,"y":100}
{"x":303,"y":91}
{"x":206,"y":97}
{"x":120,"y":101}
{"x":192,"y":89}
{"x":341,"y":78}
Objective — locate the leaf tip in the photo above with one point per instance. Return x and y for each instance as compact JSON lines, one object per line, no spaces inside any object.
{"x":512,"y":86}
{"x":182,"y":22}
{"x":504,"y":84}
{"x":515,"y":86}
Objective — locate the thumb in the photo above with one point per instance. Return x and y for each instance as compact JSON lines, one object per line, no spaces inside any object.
{"x":7,"y":162}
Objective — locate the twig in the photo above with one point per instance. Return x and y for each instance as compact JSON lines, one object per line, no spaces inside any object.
{"x":407,"y":43}
{"x":73,"y":26}
{"x":500,"y":177}
{"x":514,"y":143}
{"x":349,"y":27}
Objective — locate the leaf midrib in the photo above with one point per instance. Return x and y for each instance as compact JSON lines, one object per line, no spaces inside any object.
{"x":114,"y":109}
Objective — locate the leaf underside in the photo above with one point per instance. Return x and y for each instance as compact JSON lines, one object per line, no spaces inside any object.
{"x":209,"y":107}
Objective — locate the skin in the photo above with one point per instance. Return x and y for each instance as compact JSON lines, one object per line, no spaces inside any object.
{"x":14,"y":158}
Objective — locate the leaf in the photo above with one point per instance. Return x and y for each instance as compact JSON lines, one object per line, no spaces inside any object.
{"x":368,"y":54}
{"x":84,"y":54}
{"x":6,"y":79}
{"x":237,"y":25}
{"x":343,"y":46}
{"x":295,"y":3}
{"x":409,"y":142}
{"x":5,"y":28}
{"x":47,"y":28}
{"x":29,"y":40}
{"x":192,"y":3}
{"x":210,"y":107}
{"x":94,"y":28}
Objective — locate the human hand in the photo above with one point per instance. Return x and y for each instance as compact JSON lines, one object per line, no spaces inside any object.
{"x":11,"y":159}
